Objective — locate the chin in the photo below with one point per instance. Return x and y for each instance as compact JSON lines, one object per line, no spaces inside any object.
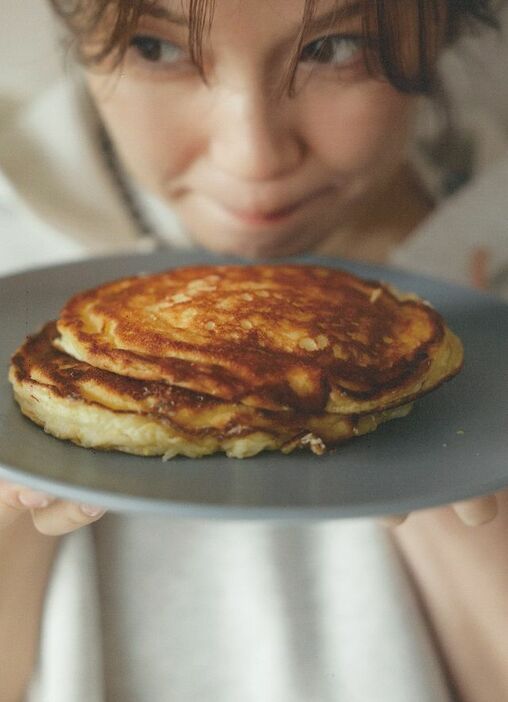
{"x":250,"y":250}
{"x":262,"y":247}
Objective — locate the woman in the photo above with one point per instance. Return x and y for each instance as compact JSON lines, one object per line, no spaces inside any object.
{"x":267,"y":129}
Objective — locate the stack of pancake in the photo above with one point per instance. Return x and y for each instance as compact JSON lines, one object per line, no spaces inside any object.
{"x":238,"y":359}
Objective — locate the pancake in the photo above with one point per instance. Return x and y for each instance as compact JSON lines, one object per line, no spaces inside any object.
{"x":281,"y":338}
{"x":96,"y":408}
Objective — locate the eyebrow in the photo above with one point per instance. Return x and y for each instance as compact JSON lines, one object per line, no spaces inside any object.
{"x":319,"y":23}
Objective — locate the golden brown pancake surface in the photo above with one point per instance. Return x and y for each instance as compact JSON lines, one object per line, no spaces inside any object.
{"x":96,"y":408}
{"x":277,"y":337}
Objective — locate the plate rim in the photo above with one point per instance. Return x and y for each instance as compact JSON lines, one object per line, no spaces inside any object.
{"x":126,"y":502}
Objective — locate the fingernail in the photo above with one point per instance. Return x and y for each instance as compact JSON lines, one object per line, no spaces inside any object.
{"x":475,"y":520}
{"x":393,"y":520}
{"x":34,"y":500}
{"x":92,"y":511}
{"x":478,"y":511}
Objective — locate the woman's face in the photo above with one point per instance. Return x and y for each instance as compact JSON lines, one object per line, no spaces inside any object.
{"x":250,"y":169}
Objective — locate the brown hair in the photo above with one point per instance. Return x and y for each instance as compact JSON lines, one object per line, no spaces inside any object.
{"x":384,"y":21}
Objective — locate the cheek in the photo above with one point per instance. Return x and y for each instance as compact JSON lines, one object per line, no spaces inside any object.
{"x":362,"y":128}
{"x":152,"y":131}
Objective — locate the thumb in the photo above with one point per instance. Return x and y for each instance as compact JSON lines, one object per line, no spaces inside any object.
{"x":480,"y":510}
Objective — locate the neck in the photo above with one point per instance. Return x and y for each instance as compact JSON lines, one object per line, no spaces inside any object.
{"x":388,"y":218}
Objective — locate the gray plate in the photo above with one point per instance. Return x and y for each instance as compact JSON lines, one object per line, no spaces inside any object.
{"x":452,"y":446}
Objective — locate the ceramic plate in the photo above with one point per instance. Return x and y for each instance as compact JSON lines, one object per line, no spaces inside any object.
{"x":454,"y":444}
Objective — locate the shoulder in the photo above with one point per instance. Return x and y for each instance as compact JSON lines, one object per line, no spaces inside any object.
{"x":52,"y":126}
{"x":55,"y":192}
{"x":468,"y":224}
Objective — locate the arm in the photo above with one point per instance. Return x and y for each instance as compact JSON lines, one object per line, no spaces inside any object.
{"x":26,"y":557}
{"x":461,"y":575}
{"x":29,"y":536}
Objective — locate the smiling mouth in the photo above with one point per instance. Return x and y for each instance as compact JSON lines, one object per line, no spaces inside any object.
{"x":265,"y":217}
{"x":258,"y":217}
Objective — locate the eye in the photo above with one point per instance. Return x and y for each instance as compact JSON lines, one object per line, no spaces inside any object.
{"x":156,"y":50}
{"x":333,"y":50}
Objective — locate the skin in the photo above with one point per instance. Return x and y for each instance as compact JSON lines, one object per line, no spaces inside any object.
{"x":29,"y":556}
{"x":254,"y":171}
{"x":461,"y":575}
{"x":30,"y":523}
{"x":266,"y":173}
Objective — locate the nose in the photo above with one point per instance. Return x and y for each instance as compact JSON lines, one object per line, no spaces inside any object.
{"x":254,"y":137}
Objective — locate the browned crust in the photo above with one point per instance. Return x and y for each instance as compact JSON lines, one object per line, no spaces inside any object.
{"x":384,"y":342}
{"x":37,"y":362}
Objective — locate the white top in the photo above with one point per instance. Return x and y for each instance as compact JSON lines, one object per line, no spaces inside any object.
{"x":157,"y":609}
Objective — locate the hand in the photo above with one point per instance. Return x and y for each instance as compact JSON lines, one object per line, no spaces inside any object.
{"x":479,"y":510}
{"x":50,"y":515}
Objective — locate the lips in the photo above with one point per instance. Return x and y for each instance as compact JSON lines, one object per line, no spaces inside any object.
{"x":256,"y":217}
{"x":270,"y":214}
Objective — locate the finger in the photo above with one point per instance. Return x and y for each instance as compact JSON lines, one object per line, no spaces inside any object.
{"x":63,"y":517}
{"x":480,"y":510}
{"x":392,"y":521}
{"x":16,"y":500}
